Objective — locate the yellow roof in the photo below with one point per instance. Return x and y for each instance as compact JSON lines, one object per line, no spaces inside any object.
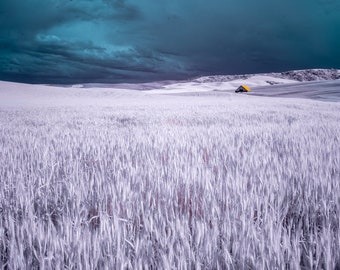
{"x":246,"y":87}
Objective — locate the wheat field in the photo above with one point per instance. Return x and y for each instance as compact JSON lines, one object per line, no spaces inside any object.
{"x":213,"y":184}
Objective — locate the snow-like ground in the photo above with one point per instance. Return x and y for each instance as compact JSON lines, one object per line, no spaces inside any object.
{"x":262,"y":84}
{"x":197,"y":86}
{"x":314,"y":84}
{"x":171,"y":174}
{"x":320,"y":90}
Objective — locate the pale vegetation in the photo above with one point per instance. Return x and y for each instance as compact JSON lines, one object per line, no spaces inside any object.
{"x":190,"y":186}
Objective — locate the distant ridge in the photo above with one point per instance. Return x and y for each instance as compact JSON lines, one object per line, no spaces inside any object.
{"x":305,"y":75}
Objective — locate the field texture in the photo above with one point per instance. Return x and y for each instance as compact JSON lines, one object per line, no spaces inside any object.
{"x":175,"y":183}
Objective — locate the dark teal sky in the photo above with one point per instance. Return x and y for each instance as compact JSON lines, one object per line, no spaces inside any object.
{"x":68,"y":41}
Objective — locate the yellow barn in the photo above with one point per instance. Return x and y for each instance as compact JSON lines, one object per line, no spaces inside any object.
{"x":243,"y":88}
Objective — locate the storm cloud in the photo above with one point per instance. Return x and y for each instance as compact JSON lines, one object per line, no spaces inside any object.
{"x":66,"y":41}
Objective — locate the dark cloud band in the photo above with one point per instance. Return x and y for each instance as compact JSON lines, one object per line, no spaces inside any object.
{"x":121,"y":40}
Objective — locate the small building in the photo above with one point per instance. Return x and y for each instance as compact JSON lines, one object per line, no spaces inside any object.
{"x":242,"y":88}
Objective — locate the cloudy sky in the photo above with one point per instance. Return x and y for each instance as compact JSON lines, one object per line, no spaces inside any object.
{"x":69,"y":41}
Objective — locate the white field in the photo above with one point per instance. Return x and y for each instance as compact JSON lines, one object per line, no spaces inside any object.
{"x":106,"y":178}
{"x":196,"y":86}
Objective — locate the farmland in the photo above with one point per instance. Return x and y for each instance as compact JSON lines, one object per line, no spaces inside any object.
{"x":170,"y":182}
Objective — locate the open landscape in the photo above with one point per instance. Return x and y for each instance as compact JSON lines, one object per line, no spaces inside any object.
{"x":103,"y":177}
